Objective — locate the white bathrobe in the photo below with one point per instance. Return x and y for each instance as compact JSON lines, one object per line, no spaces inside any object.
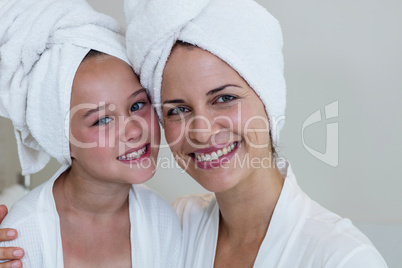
{"x":301,"y":233}
{"x":155,"y":229}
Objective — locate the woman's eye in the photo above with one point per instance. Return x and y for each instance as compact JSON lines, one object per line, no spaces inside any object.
{"x":136,"y":106}
{"x":103,"y":121}
{"x":225,"y":98}
{"x":177,"y":110}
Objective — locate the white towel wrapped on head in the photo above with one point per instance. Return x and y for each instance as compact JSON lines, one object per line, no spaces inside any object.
{"x":42,"y":43}
{"x":240,"y":32}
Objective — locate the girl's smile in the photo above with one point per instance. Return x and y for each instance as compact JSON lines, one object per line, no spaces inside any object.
{"x":114,"y":134}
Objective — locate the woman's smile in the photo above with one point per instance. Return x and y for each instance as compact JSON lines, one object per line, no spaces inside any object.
{"x":215,"y":156}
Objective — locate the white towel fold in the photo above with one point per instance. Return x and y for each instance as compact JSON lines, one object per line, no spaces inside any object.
{"x":240,"y":32}
{"x":42,"y":43}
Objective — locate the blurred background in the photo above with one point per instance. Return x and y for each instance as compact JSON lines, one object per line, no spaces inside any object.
{"x":342,"y":66}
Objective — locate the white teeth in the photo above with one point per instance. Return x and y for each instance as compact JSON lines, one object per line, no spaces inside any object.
{"x":215,"y":155}
{"x":133,"y":155}
{"x":225,"y":151}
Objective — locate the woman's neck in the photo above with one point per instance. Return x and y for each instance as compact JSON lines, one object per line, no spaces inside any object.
{"x":246,"y":210}
{"x":77,"y":193}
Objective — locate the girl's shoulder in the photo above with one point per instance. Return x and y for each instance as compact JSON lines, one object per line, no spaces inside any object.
{"x":24,"y":209}
{"x":196,"y":202}
{"x":152,"y":202}
{"x":195,"y":209}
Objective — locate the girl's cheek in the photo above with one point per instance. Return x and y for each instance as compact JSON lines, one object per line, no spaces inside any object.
{"x":172,"y":135}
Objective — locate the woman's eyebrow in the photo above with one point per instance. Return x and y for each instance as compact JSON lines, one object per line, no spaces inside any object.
{"x":173,"y":101}
{"x":216,"y":90}
{"x":211,"y":92}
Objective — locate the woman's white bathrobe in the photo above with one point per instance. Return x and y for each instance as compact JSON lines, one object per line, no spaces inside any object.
{"x":301,"y":233}
{"x":155,"y":229}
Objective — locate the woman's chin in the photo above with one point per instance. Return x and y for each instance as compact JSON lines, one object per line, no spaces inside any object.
{"x":216,"y":184}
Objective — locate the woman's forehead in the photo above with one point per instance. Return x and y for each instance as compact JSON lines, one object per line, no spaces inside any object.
{"x":196,"y":69}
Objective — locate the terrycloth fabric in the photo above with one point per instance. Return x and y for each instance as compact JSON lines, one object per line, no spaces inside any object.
{"x":155,"y":229}
{"x":240,"y":32}
{"x":301,"y":233}
{"x":42,"y":43}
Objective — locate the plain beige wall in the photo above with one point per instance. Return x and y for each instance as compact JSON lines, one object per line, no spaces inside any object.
{"x":345,"y":51}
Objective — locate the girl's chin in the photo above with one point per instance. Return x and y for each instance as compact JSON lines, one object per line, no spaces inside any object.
{"x":140,"y":175}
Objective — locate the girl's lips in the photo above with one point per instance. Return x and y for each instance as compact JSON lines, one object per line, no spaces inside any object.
{"x":221,"y":160}
{"x":131,"y":156}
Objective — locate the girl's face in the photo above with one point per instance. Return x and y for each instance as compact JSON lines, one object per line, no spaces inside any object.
{"x":114,"y":133}
{"x":215,"y":124}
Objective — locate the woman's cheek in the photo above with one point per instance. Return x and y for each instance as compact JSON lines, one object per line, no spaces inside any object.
{"x":256,"y":130}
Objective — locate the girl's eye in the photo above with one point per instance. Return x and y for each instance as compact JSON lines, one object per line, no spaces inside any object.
{"x":177,"y":110}
{"x":136,"y":106}
{"x":225,"y":98}
{"x":103,"y":121}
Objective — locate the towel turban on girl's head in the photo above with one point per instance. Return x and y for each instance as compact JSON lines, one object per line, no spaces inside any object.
{"x":42,"y":43}
{"x":240,"y":32}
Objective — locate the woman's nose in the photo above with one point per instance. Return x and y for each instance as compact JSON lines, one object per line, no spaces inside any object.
{"x":200,"y":129}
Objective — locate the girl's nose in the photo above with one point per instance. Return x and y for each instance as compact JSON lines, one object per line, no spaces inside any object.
{"x":133,"y":129}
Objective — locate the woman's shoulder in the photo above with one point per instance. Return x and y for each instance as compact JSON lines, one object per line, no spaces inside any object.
{"x":322,"y":222}
{"x":335,"y":240}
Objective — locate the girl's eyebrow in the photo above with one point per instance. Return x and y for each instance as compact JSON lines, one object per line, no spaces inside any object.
{"x":141,"y":90}
{"x":102,"y":107}
{"x":97,"y":109}
{"x":211,"y":92}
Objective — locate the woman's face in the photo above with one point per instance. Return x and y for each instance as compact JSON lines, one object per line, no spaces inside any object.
{"x":114,"y":133}
{"x":215,"y":124}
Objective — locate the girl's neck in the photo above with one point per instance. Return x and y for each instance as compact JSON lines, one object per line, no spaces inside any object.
{"x":246,"y":210}
{"x":76,"y":193}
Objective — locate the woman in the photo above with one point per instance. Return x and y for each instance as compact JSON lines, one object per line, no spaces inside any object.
{"x":216,"y":67}
{"x":71,"y":94}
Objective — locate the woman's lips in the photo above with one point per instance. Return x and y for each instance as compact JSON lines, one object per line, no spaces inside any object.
{"x":214,"y":156}
{"x":135,"y":155}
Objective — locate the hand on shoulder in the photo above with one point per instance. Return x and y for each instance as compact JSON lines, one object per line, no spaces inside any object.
{"x":9,"y":253}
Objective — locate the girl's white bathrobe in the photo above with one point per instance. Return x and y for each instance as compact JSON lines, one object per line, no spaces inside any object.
{"x":155,"y":229}
{"x":301,"y":233}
